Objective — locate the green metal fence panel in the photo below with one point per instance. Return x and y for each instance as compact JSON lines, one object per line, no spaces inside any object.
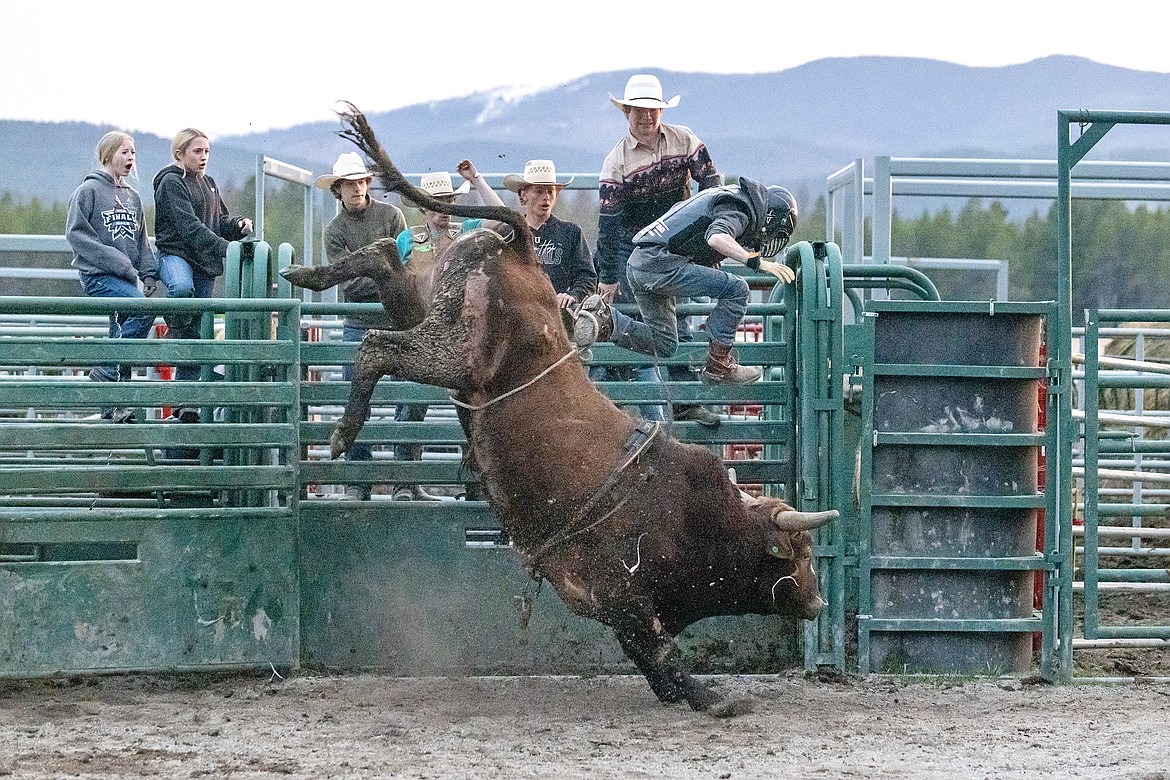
{"x":172,"y":592}
{"x":405,"y":589}
{"x":949,"y":491}
{"x":157,"y":544}
{"x":1139,"y":568}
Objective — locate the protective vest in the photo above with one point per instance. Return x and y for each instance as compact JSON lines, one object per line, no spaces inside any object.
{"x":421,"y":241}
{"x":683,"y":229}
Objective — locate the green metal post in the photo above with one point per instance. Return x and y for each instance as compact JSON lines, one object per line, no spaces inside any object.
{"x":1092,"y":483}
{"x":820,"y":382}
{"x":1094,"y":125}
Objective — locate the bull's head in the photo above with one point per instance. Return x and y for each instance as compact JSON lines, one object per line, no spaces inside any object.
{"x":795,"y":593}
{"x":791,"y":578}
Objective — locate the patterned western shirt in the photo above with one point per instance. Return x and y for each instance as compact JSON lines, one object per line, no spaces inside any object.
{"x":639,"y":183}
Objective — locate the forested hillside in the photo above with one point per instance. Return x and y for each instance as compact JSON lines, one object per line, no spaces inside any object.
{"x":794,"y":127}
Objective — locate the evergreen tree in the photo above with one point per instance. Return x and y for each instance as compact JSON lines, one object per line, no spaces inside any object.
{"x":1121,"y":252}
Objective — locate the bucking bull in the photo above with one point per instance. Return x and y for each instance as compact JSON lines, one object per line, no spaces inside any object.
{"x":633,"y":528}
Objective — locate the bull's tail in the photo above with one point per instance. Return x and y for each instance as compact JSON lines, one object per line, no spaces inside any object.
{"x":362,"y":135}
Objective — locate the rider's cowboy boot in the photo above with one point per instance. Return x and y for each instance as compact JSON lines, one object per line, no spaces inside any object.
{"x":594,"y":322}
{"x":722,"y":368}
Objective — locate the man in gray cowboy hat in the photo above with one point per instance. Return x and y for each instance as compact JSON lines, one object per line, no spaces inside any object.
{"x":647,"y":171}
{"x":361,"y":220}
{"x":560,"y":245}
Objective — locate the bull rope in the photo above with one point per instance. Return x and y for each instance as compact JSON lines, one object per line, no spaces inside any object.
{"x":513,"y":391}
{"x":639,"y":440}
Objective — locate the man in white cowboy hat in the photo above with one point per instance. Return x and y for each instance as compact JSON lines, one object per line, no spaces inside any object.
{"x":361,"y":220}
{"x":560,"y":245}
{"x":647,"y":171}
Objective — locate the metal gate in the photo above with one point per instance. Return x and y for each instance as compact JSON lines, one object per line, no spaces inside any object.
{"x":1124,"y":537}
{"x":1072,"y":148}
{"x":157,"y":544}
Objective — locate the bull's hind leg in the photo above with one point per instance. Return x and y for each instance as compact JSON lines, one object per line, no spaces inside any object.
{"x":473,"y":490}
{"x":657,"y":656}
{"x":372,"y":261}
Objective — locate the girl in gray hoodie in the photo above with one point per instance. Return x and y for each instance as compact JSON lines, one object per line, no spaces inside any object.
{"x":106,"y":229}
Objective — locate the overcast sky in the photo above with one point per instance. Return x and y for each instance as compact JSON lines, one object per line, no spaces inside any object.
{"x":243,"y":66}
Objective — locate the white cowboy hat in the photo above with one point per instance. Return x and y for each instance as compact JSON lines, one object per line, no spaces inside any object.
{"x":438,"y":185}
{"x":535,"y":172}
{"x":644,"y":91}
{"x":349,"y":166}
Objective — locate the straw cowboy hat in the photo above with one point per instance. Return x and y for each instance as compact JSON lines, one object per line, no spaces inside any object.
{"x":535,"y":172}
{"x":349,"y":166}
{"x":438,"y":185}
{"x":644,"y":91}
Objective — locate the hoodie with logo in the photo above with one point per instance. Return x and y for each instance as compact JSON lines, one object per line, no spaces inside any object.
{"x":106,"y":229}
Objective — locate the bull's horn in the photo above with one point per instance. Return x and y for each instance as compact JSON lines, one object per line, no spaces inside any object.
{"x":746,"y":498}
{"x":792,"y":520}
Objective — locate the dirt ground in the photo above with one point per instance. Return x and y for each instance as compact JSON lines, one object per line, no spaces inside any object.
{"x":364,"y":726}
{"x":318,"y":726}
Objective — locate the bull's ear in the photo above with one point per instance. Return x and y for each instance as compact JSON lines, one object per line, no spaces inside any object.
{"x":483,"y":350}
{"x":779,"y":543}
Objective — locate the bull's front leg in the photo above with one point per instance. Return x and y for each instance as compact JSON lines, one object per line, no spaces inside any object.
{"x":364,"y":379}
{"x":657,"y":656}
{"x":374,"y":261}
{"x":428,"y":354}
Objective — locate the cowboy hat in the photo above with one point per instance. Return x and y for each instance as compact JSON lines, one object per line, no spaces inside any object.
{"x":438,"y":185}
{"x":349,"y":166}
{"x":644,"y":91}
{"x":535,"y":172}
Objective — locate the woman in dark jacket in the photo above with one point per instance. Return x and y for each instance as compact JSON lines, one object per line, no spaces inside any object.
{"x":192,"y":229}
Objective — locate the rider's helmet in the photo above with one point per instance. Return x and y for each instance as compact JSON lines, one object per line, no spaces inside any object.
{"x":780,"y":221}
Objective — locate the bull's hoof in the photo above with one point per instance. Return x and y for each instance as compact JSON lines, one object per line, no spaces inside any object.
{"x":339,"y":442}
{"x":731,"y":707}
{"x":704,"y":699}
{"x":301,"y":276}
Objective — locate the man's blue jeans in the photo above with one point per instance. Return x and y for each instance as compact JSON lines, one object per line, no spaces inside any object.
{"x":657,"y":333}
{"x":648,"y":373}
{"x":184,"y":281}
{"x":122,"y":326}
